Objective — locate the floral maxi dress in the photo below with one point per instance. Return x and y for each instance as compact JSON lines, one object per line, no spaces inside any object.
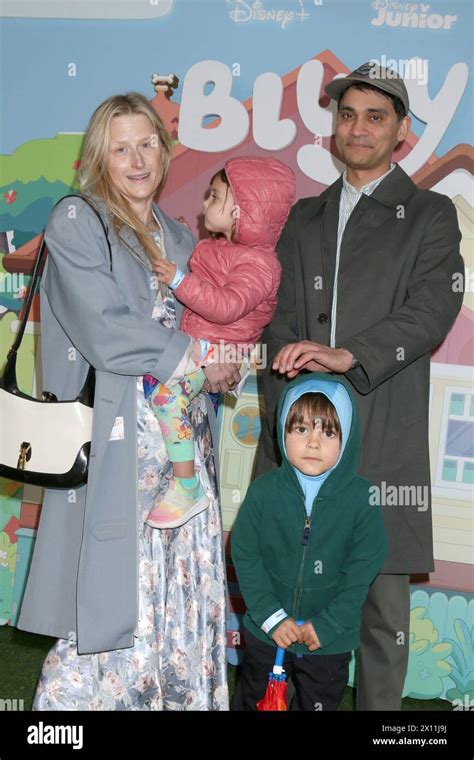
{"x":178,"y":661}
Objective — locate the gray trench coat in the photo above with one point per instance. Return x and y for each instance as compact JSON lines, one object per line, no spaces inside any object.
{"x":83,"y":579}
{"x":395,"y":304}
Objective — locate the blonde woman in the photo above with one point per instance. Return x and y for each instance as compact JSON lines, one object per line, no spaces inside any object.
{"x":139,"y":613}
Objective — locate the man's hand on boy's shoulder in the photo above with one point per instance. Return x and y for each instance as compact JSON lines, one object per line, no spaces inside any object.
{"x":309,"y":636}
{"x":315,"y":357}
{"x":287,"y":633}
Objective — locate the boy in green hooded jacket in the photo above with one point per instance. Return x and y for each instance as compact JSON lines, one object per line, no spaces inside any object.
{"x":306,"y":544}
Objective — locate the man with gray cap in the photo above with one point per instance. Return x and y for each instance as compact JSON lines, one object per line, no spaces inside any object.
{"x":367,"y":292}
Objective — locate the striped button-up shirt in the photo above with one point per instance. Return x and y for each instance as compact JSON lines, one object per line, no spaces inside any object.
{"x":349,"y":199}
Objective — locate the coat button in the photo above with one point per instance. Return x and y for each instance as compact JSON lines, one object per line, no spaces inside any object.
{"x":322,"y":319}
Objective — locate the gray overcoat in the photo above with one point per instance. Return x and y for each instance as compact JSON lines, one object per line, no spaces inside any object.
{"x":83,"y":579}
{"x":396,"y":303}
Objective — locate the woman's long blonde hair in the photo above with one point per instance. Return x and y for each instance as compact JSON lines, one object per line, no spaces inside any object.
{"x":93,"y":174}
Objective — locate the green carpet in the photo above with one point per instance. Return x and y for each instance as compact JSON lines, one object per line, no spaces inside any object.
{"x":22,"y":656}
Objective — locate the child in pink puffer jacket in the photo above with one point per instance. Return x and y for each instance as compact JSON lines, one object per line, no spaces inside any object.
{"x":230,"y":296}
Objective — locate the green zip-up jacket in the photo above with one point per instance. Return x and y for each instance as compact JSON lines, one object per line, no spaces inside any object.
{"x":317,"y":568}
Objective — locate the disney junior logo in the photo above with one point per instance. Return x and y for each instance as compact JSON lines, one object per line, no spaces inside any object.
{"x":242,"y":11}
{"x":410,"y":15}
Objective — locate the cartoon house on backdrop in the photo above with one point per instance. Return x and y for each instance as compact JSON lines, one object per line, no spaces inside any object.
{"x":445,"y":598}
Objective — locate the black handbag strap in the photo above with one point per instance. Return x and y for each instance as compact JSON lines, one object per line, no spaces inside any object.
{"x":37,"y":272}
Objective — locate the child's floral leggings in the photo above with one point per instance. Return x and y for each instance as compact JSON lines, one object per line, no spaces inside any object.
{"x":170,"y":405}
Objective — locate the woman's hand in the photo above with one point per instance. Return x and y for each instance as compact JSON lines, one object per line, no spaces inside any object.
{"x":165,"y":270}
{"x":311,"y":356}
{"x":221,"y":377}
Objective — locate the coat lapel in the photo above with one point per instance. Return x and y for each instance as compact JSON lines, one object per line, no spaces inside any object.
{"x":111,"y":399}
{"x":318,"y":243}
{"x":328,"y":239}
{"x":396,"y":188}
{"x":173,"y":236}
{"x":174,"y":250}
{"x":128,"y":238}
{"x":321,"y":224}
{"x":386,"y":200}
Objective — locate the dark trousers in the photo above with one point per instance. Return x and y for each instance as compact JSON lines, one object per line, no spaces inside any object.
{"x":319,"y":679}
{"x":384,"y":644}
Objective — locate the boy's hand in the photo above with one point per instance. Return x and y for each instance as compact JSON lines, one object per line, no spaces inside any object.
{"x":309,"y":636}
{"x":287,"y":633}
{"x":165,"y":270}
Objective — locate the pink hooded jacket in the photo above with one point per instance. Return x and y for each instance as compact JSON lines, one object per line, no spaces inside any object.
{"x":230,"y":294}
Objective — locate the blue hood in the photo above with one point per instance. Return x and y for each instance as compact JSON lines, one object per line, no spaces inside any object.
{"x":337,"y":392}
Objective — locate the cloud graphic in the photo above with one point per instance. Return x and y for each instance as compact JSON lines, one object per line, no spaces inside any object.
{"x":86,"y":9}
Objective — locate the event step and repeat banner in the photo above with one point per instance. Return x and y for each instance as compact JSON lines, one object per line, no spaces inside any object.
{"x":232,"y":78}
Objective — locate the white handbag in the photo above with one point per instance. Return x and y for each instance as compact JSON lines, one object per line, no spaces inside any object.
{"x":45,"y":442}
